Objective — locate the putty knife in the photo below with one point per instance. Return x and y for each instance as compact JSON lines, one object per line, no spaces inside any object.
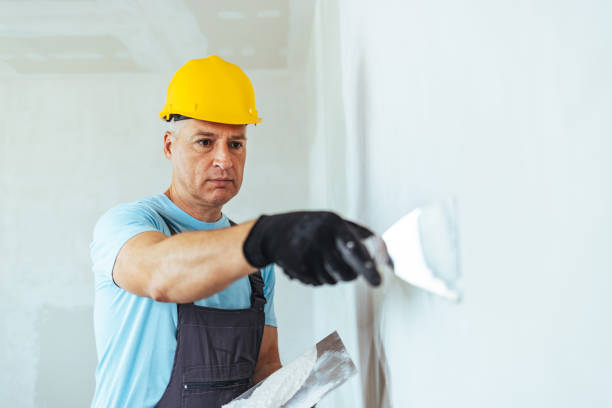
{"x":333,"y":366}
{"x":424,"y":249}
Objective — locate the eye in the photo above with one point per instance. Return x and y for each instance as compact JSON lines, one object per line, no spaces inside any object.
{"x":236,"y":145}
{"x":205,"y":142}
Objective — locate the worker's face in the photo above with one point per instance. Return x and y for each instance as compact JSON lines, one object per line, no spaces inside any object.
{"x":207,"y":159}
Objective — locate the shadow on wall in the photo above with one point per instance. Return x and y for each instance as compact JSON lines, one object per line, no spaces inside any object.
{"x":67,"y":362}
{"x":372,"y":373}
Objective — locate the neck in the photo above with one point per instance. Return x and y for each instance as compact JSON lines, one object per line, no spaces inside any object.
{"x":197,"y":211}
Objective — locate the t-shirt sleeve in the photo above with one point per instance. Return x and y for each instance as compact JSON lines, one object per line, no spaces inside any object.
{"x":269,"y":278}
{"x":114,"y":229}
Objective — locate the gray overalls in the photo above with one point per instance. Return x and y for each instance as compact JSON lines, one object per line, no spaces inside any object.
{"x":216,"y":351}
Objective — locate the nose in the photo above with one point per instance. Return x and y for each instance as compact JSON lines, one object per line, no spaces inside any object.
{"x":222,"y":157}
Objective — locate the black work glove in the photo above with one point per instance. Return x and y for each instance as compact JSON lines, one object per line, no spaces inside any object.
{"x":316,"y":247}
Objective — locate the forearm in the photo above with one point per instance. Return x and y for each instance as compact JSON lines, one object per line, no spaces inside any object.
{"x":265,"y":370}
{"x":196,"y":264}
{"x":268,"y":360}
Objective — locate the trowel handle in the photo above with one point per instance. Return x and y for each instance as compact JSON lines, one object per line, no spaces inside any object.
{"x":378,"y":251}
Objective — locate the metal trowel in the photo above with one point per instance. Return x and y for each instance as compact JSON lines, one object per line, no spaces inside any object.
{"x":424,"y":249}
{"x":331,"y":367}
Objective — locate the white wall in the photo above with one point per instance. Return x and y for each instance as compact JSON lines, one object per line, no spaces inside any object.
{"x":71,"y":147}
{"x":505,"y":105}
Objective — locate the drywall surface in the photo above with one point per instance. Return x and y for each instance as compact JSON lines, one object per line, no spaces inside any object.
{"x":506,"y":106}
{"x":334,"y":307}
{"x":70,"y":148}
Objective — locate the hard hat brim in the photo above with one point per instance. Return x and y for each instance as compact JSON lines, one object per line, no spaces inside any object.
{"x":166,"y":114}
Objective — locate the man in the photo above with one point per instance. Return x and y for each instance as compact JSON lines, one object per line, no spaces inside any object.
{"x":184,"y":311}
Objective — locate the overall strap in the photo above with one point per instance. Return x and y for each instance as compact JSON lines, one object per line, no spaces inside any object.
{"x":258,"y":299}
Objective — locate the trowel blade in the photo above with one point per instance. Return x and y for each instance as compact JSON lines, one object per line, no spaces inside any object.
{"x":423,"y":249}
{"x":333,"y":366}
{"x":418,"y":262}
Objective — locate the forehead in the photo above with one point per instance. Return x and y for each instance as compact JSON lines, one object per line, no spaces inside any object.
{"x":196,"y":126}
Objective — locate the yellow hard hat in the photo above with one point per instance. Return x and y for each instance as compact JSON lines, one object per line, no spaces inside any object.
{"x":211,"y":89}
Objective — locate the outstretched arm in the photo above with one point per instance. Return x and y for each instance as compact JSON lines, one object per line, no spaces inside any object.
{"x":316,"y":247}
{"x":184,"y":267}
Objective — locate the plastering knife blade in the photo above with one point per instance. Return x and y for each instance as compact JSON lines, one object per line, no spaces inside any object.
{"x":332,"y":367}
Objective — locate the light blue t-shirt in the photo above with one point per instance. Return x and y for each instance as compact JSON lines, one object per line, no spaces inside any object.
{"x":136,"y":336}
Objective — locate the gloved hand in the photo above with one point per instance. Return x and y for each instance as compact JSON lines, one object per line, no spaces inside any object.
{"x":316,"y":247}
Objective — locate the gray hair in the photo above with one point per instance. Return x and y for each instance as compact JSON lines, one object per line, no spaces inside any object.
{"x":173,"y":126}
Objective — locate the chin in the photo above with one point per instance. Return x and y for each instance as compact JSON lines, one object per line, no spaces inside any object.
{"x":217,"y":199}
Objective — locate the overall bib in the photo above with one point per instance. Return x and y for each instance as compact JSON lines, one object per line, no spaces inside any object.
{"x":216,"y":351}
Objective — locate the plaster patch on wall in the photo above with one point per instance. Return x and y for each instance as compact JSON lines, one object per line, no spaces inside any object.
{"x":249,"y":26}
{"x":67,"y":54}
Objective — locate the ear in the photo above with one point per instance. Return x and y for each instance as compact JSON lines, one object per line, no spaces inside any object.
{"x":169,"y":139}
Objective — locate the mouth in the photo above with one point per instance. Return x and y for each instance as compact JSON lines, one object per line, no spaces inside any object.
{"x":220,"y":182}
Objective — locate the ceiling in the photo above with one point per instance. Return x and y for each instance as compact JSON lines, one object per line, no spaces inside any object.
{"x":115,"y":36}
